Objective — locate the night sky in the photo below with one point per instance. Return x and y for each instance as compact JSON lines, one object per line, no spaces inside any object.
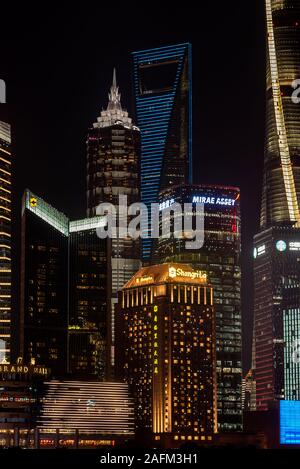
{"x":57,"y":64}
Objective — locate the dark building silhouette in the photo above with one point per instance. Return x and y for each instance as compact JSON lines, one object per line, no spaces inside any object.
{"x":63,"y":315}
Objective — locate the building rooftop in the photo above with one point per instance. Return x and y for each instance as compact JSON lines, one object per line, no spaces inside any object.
{"x":167,"y":273}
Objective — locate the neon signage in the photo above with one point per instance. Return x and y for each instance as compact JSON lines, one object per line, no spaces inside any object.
{"x":259,"y":251}
{"x":281,"y":245}
{"x":213,"y":200}
{"x":202,"y":199}
{"x":179,"y":272}
{"x":155,"y":340}
{"x":145,"y":279}
{"x":294,"y":246}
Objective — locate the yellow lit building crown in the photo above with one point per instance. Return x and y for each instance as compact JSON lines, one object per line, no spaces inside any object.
{"x":167,"y":273}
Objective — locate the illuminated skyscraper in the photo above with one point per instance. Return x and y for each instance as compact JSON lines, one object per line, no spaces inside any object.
{"x":113,"y":170}
{"x":163,"y":98}
{"x":281,"y":185}
{"x":44,"y":280}
{"x":63,"y":311}
{"x":220,"y":258}
{"x":166,"y":352}
{"x":113,"y":150}
{"x":5,"y":242}
{"x":87,"y":322}
{"x":277,"y":245}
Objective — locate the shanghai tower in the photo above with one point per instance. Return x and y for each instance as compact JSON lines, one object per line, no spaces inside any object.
{"x":281,"y":187}
{"x":277,"y":245}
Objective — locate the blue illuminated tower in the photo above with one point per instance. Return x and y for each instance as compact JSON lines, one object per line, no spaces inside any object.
{"x":163,"y":97}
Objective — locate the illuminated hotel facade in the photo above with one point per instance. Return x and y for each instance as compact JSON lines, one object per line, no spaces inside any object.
{"x":63,"y":308}
{"x":166,"y":352}
{"x":113,"y":170}
{"x":220,"y":258}
{"x":163,"y":99}
{"x":5,"y":242}
{"x":276,"y":266}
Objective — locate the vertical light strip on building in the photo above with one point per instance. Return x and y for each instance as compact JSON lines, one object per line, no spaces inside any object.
{"x":287,"y":169}
{"x":5,"y":242}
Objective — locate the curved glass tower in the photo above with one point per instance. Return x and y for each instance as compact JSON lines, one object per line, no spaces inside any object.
{"x":281,"y":187}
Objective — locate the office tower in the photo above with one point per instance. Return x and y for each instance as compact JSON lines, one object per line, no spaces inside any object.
{"x":166,"y":352}
{"x":276,"y":265}
{"x":113,"y":170}
{"x":87,"y":336}
{"x":291,"y":327}
{"x":5,"y":242}
{"x":44,"y":280}
{"x":85,"y":414}
{"x":291,"y":340}
{"x":220,"y":258}
{"x":276,"y":278}
{"x":113,"y":154}
{"x":281,"y":184}
{"x":163,"y":98}
{"x":63,"y":313}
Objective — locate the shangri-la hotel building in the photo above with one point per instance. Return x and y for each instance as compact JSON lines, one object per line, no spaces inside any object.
{"x":166,"y":352}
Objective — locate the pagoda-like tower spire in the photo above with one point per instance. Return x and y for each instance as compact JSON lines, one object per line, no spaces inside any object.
{"x":114,"y":96}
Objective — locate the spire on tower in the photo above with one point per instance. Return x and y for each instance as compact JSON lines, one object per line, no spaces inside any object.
{"x":114,"y":83}
{"x":114,"y":96}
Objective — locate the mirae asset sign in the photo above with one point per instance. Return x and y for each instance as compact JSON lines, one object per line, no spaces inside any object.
{"x":201,"y":199}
